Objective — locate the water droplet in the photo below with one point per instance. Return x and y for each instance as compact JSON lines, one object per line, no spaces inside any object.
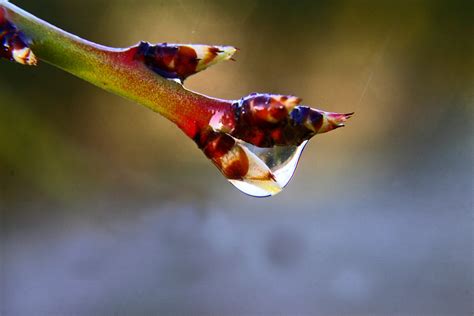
{"x":281,"y":161}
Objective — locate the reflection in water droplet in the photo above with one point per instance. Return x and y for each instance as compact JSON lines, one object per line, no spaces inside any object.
{"x":280,"y":160}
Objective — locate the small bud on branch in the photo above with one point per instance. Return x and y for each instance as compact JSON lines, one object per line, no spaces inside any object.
{"x":14,"y":44}
{"x":176,"y":61}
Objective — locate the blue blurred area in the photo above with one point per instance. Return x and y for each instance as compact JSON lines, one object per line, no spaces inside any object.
{"x":107,"y":208}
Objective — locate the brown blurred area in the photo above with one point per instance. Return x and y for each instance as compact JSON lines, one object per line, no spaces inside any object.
{"x":107,"y":208}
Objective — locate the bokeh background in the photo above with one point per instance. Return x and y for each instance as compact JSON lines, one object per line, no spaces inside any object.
{"x":107,"y":208}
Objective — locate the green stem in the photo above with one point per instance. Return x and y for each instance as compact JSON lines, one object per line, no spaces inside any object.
{"x":113,"y":70}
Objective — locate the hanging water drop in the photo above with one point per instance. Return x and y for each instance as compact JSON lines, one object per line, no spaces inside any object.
{"x":280,"y":161}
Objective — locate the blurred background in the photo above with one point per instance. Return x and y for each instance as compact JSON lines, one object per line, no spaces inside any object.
{"x":107,"y":208}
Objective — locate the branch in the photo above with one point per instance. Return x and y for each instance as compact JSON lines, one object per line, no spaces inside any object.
{"x":236,"y":135}
{"x":111,"y":69}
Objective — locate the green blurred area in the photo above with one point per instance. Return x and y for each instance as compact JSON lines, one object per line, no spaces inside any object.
{"x":392,"y":191}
